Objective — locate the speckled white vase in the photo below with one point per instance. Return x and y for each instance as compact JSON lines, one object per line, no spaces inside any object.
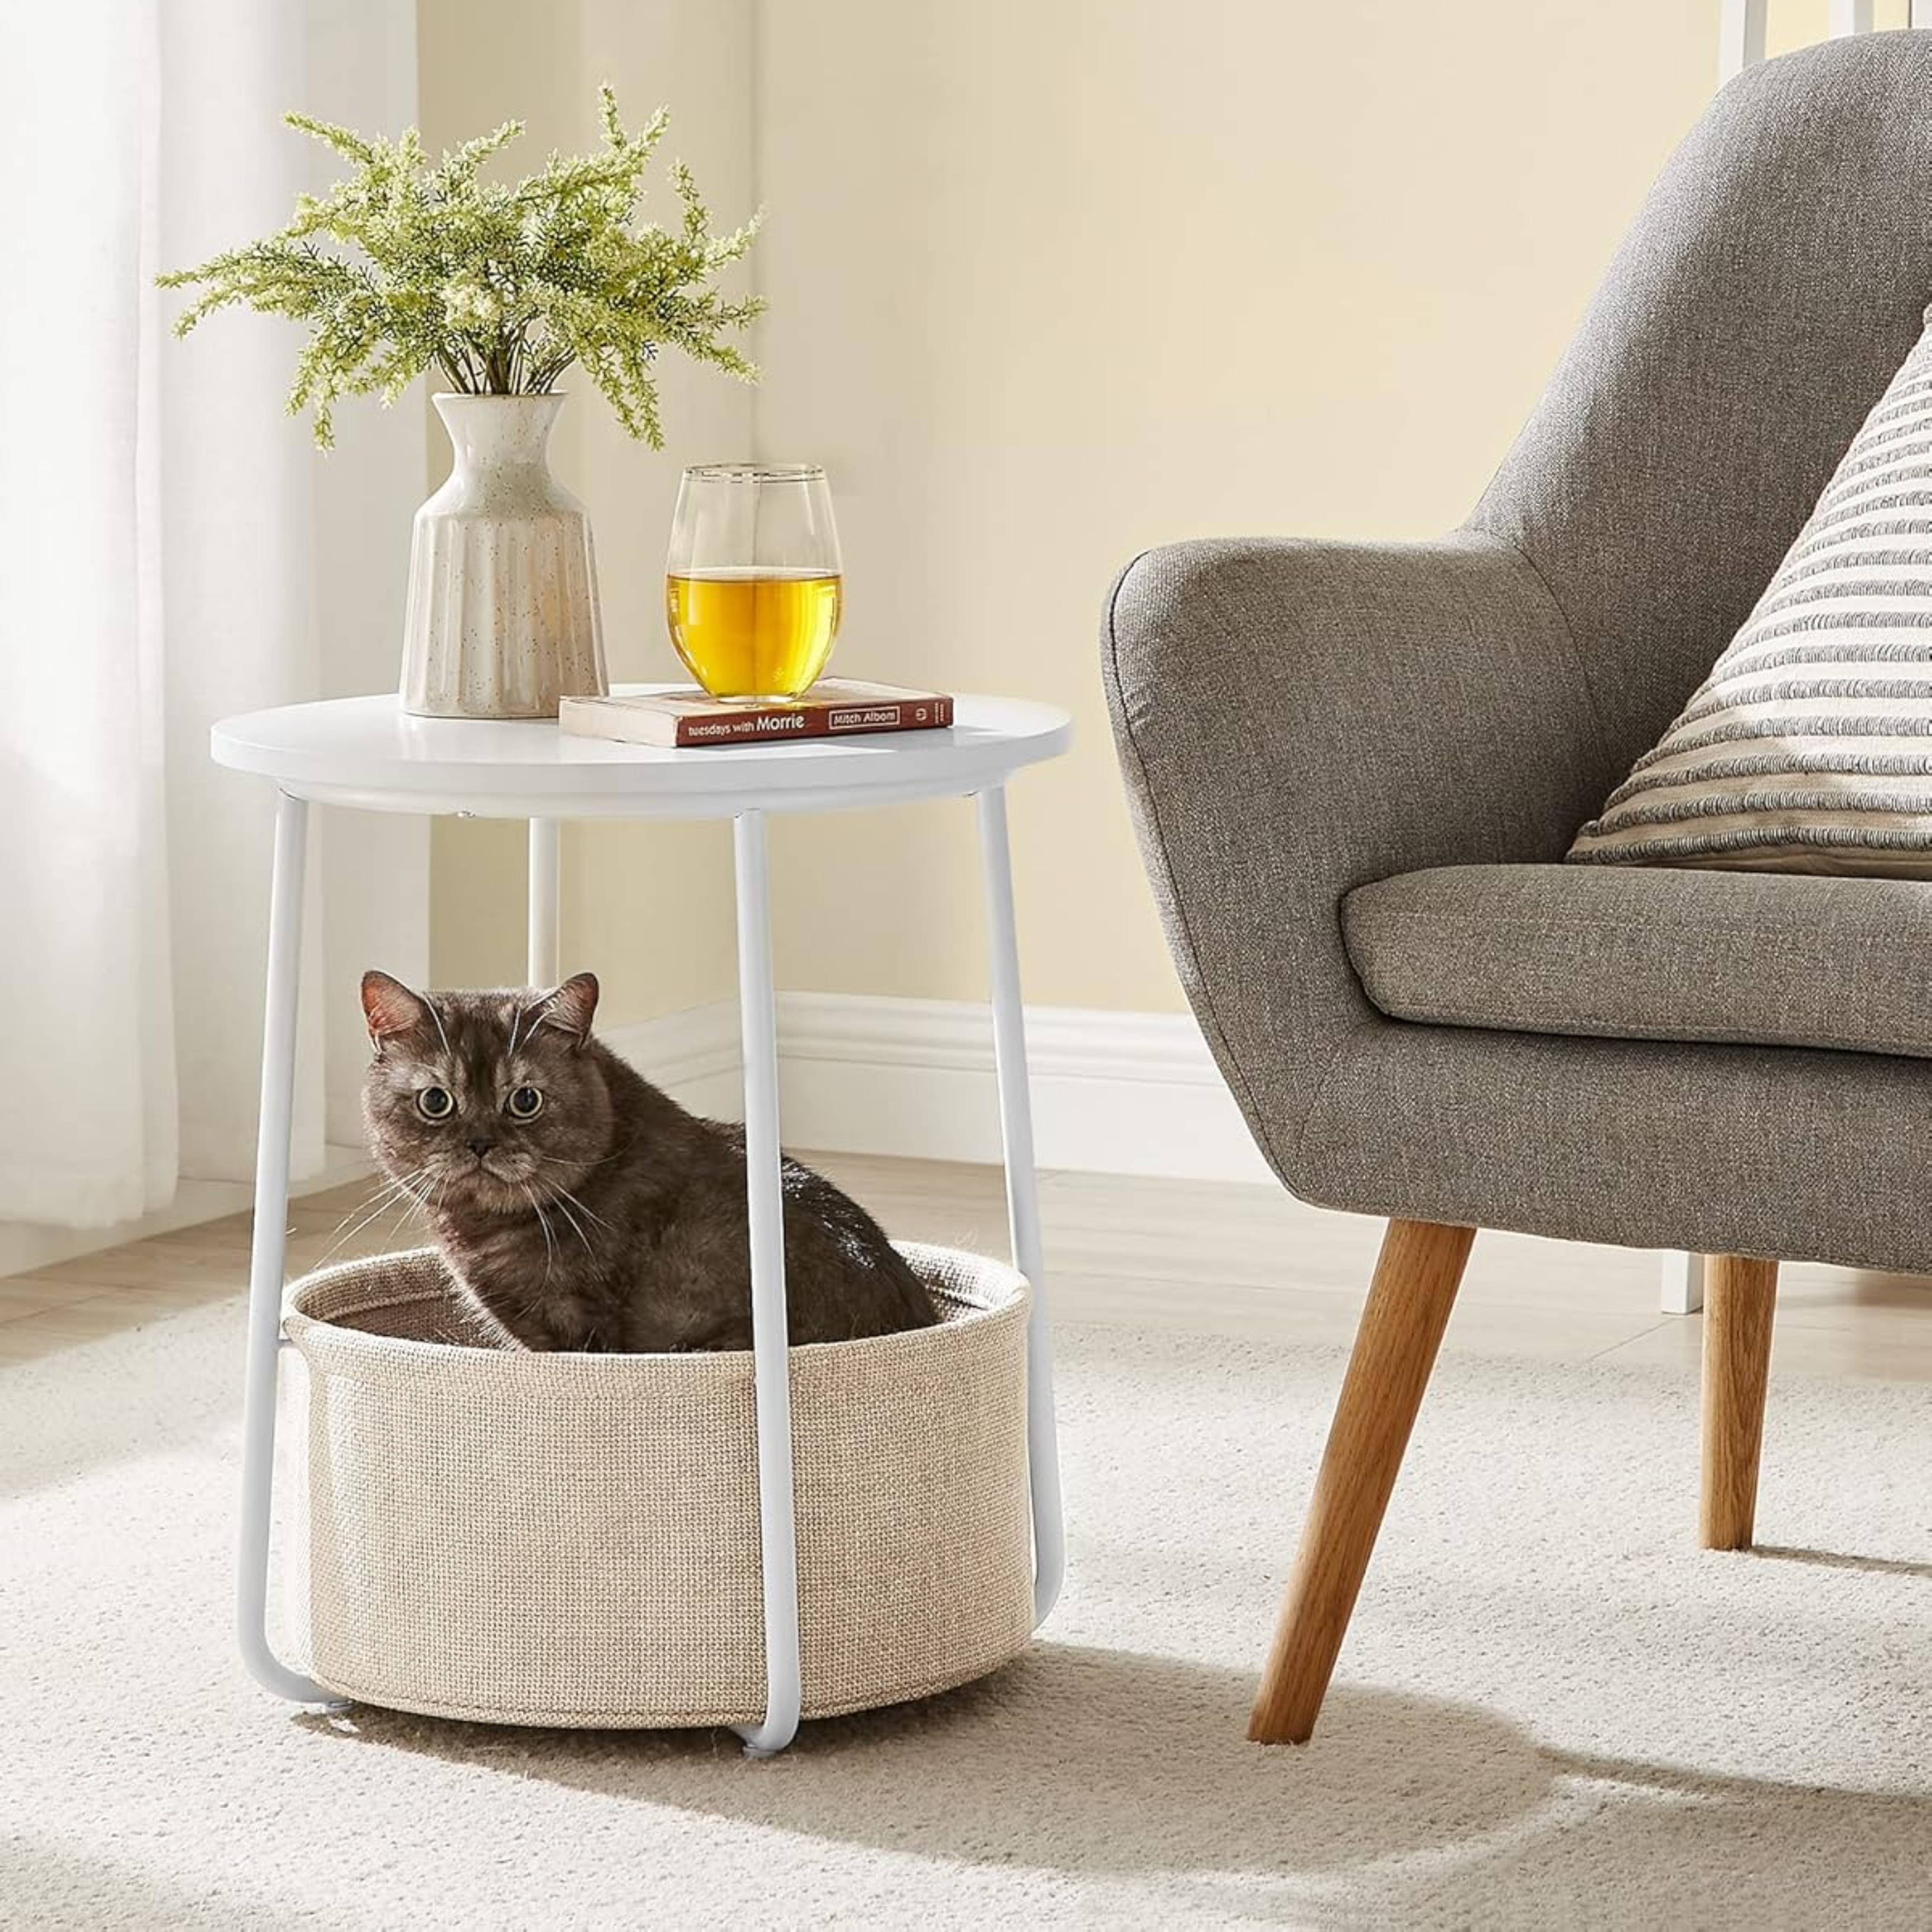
{"x":502,"y":618}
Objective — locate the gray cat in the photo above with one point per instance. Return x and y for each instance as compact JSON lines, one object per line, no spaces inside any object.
{"x":580,"y":1207}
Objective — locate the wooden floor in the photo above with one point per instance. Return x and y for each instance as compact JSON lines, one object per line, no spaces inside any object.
{"x":1224,"y":1259}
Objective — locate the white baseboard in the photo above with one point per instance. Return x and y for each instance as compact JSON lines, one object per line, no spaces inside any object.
{"x":1113,"y":1092}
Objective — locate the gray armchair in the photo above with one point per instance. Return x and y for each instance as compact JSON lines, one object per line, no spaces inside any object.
{"x":1355,"y":770}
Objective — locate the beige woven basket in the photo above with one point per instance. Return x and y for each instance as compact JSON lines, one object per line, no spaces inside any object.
{"x":564,"y":1539}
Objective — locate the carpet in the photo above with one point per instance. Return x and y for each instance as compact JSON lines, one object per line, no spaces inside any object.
{"x":1553,"y":1710}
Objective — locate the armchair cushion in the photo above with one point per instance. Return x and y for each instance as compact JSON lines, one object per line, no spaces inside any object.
{"x":1761,"y":959}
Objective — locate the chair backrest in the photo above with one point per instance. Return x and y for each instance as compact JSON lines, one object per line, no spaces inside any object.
{"x":1773,"y":283}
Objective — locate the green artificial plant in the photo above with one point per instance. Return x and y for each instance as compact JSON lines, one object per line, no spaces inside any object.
{"x":409,"y":266}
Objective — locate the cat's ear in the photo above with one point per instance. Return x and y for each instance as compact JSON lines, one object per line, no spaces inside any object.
{"x":390,"y":1008}
{"x":571,"y":1008}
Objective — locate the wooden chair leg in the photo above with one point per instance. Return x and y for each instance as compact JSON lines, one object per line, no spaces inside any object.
{"x":1414,"y":1288}
{"x":1740,"y":1295}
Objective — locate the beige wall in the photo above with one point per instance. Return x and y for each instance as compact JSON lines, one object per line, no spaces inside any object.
{"x":647,"y":908}
{"x":1051,"y":283}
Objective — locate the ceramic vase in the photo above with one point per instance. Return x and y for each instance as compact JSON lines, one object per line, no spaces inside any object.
{"x":502,"y":619}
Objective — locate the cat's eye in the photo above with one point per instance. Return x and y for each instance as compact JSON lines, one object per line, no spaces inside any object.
{"x":526,"y":1104}
{"x":435,"y":1103}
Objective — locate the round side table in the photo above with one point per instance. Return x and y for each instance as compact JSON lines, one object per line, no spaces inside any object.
{"x":367,"y":753}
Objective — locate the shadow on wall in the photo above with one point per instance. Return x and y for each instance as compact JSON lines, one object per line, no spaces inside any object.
{"x":1108,"y":1764}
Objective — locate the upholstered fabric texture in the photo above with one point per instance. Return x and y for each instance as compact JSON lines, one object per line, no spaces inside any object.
{"x":1295,"y":720}
{"x":573,"y":1539}
{"x":1639,"y":953}
{"x":1809,"y":747}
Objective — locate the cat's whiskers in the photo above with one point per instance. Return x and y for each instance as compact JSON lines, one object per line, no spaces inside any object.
{"x":556,"y":1201}
{"x":517,"y":1019}
{"x":440,"y":1034}
{"x":551,"y":1160}
{"x":385,"y":1198}
{"x":590,"y":1214}
{"x":413,"y":1206}
{"x":559,"y":1195}
{"x":536,"y":1208}
{"x":382,"y":1194}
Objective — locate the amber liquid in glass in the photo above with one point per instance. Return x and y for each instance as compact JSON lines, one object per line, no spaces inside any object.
{"x":752,"y":633}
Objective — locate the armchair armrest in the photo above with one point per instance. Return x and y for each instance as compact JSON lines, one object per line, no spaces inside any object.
{"x":1294,"y":719}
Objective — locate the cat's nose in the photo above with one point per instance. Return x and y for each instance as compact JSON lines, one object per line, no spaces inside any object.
{"x":480,"y":1146}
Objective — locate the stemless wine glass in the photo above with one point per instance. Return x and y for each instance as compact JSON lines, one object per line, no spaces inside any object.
{"x":752,"y":587}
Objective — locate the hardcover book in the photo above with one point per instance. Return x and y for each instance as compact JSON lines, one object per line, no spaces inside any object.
{"x":685,"y":719}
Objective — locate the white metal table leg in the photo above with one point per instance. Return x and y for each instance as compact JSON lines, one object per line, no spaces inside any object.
{"x":1683,"y":1286}
{"x":546,"y":885}
{"x":771,"y":1363}
{"x":1049,"y":1545}
{"x":265,"y":1258}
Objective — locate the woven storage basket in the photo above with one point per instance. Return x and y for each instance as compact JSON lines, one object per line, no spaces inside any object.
{"x":573,"y":1539}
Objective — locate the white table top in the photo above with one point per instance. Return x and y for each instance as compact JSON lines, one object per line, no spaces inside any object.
{"x":369,"y":753}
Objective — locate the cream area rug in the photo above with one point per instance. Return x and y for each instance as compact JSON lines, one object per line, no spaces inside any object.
{"x":1553,"y":1710}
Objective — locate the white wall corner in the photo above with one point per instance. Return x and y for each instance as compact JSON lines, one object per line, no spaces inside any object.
{"x":1113,"y":1092}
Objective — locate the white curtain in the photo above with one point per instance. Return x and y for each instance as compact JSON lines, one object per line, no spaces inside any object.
{"x":176,"y":550}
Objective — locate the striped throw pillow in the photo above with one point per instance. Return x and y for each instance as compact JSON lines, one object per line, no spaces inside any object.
{"x":1809,"y":747}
